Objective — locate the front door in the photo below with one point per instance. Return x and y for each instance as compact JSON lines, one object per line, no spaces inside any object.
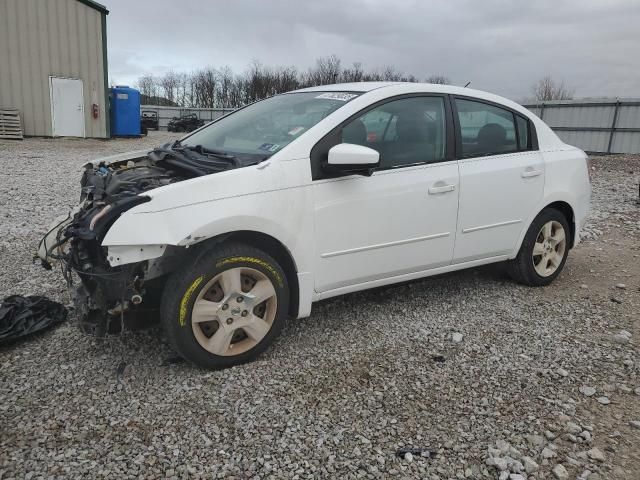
{"x":501,"y":180}
{"x":67,"y":107}
{"x":399,"y":220}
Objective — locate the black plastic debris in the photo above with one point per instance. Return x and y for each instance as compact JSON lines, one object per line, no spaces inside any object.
{"x":21,"y":316}
{"x":438,"y":358}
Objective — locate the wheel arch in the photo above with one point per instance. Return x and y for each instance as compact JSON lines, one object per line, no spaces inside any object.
{"x":563,"y":206}
{"x":273,"y":247}
{"x":566,"y":210}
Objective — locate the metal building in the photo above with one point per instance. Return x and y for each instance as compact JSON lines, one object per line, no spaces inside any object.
{"x":53,"y":66}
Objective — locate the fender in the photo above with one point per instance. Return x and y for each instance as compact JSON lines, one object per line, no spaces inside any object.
{"x":128,"y":242}
{"x":280,"y":215}
{"x":566,"y":180}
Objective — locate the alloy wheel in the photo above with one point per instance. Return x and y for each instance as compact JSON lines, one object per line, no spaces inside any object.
{"x":549,"y":249}
{"x":234,"y":311}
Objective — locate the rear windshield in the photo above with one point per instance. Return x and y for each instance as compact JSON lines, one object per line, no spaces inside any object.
{"x":267,"y":126}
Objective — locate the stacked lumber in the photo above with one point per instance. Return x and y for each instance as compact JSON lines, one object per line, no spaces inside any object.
{"x":10,"y":125}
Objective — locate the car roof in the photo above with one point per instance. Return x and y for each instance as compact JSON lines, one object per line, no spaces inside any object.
{"x":409,"y":87}
{"x":349,"y":87}
{"x":399,"y":88}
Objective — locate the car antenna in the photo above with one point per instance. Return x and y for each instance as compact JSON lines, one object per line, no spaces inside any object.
{"x":468,"y":83}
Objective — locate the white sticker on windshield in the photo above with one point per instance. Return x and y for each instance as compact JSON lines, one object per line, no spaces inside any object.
{"x":295,"y":131}
{"x":342,"y":96}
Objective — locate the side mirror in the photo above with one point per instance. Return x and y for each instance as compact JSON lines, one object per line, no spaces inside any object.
{"x":352,"y":158}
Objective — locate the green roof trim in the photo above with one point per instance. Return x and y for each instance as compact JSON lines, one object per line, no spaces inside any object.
{"x":95,"y":5}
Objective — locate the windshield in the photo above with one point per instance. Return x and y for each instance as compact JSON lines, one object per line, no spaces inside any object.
{"x":263,"y":128}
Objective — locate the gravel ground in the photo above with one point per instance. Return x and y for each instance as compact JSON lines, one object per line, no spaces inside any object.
{"x":488,"y":378}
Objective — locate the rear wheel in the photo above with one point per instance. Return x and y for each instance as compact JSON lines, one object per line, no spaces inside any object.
{"x":544,"y":250}
{"x":227,"y":308}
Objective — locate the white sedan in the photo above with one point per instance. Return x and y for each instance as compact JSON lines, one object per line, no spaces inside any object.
{"x":312,"y":194}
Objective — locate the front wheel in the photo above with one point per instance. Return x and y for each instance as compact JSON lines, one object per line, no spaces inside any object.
{"x":226,"y":308}
{"x":544,"y":250}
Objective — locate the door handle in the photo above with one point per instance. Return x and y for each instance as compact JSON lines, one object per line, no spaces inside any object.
{"x":530,"y":173}
{"x":441,"y":189}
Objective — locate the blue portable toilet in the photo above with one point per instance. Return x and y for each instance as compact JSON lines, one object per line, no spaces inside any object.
{"x":125,"y":111}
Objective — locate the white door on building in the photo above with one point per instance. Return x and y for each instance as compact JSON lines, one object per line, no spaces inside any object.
{"x":67,"y":107}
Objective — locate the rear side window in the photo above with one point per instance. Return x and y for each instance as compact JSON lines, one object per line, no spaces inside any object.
{"x":485,"y":129}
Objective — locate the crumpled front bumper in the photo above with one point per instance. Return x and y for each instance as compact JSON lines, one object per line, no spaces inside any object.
{"x":104,"y":304}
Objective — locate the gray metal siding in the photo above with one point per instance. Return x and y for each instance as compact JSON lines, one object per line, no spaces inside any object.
{"x":42,"y":38}
{"x":626,"y":142}
{"x":578,"y":116}
{"x":587,"y":141}
{"x":628,"y":117}
{"x":599,"y":126}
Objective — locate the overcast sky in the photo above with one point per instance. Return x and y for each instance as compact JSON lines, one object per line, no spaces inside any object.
{"x":502,"y":46}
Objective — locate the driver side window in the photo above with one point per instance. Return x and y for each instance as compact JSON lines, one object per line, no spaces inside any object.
{"x":405,"y":132}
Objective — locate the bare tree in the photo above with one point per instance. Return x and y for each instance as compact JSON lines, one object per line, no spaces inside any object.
{"x":353,"y":74}
{"x":225,"y":88}
{"x":205,"y":86}
{"x":170,"y":82}
{"x":390,"y":74}
{"x":183,"y":89}
{"x":209,"y":87}
{"x":326,"y":71}
{"x":438,"y":80}
{"x":547,"y":89}
{"x":147,"y":85}
{"x":259,"y":82}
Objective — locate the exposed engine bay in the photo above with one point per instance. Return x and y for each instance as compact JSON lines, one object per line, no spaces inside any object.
{"x":104,"y":294}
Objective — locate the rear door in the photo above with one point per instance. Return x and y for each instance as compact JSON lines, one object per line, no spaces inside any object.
{"x":402,"y":218}
{"x":67,"y":107}
{"x":501,"y":178}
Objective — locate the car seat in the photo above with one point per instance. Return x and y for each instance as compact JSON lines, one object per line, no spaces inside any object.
{"x":415,"y":140}
{"x":355,"y":133}
{"x":493,"y":138}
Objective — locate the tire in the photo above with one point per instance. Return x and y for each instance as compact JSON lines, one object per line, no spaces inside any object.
{"x":551,"y":250}
{"x":215,"y":302}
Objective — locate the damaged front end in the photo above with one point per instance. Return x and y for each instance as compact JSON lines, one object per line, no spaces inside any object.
{"x":104,"y":293}
{"x":109,"y":290}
